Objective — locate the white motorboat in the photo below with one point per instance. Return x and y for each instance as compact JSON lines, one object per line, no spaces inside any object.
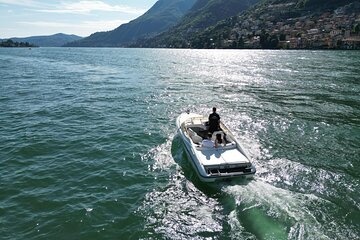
{"x":211,"y":162}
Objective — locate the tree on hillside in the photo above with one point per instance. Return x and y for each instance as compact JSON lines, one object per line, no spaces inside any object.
{"x":268,"y":41}
{"x":356,"y":29}
{"x":11,"y":43}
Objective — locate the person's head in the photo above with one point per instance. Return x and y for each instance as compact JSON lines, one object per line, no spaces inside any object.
{"x":214,"y":109}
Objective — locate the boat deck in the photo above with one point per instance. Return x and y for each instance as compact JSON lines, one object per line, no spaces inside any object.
{"x":220,"y":156}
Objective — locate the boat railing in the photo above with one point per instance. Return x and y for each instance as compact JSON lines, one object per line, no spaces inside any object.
{"x":226,"y":130}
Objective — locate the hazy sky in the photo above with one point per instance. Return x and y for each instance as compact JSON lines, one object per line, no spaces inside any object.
{"x":23,"y":18}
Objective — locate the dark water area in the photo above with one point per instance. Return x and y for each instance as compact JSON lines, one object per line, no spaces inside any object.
{"x":88,"y":144}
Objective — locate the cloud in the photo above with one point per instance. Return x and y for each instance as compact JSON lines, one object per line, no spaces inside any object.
{"x":78,"y":7}
{"x":84,"y":7}
{"x":84,"y":28}
{"x":85,"y":24}
{"x":85,"y":16}
{"x":18,"y":2}
{"x":26,"y":3}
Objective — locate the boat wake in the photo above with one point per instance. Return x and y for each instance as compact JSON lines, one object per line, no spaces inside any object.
{"x":268,"y":212}
{"x":178,"y":209}
{"x":285,"y":200}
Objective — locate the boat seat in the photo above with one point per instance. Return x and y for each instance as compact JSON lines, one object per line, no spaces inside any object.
{"x":202,"y":126}
{"x":197,"y":139}
{"x":193,"y":135}
{"x":213,"y":136}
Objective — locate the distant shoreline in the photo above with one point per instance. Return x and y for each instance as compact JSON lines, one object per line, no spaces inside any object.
{"x":12,"y":44}
{"x":255,"y":49}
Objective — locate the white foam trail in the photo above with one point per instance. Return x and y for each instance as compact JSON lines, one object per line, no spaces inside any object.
{"x":178,"y":210}
{"x":181,"y":211}
{"x":277,"y":208}
{"x":272,"y":198}
{"x":237,"y":230}
{"x":161,"y":155}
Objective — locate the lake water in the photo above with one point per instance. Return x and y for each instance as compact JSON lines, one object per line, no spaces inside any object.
{"x":88,"y":144}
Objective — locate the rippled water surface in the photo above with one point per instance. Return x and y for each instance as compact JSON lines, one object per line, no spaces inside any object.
{"x":88,"y":144}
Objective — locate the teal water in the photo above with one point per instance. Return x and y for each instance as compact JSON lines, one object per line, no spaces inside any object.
{"x":88,"y":144}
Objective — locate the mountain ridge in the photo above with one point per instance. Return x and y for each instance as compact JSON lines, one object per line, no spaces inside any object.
{"x":203,"y":14}
{"x":161,"y":16}
{"x":55,"y":40}
{"x":270,"y":24}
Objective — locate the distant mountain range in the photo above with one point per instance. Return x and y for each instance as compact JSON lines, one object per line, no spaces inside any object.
{"x":159,"y":18}
{"x":56,"y":40}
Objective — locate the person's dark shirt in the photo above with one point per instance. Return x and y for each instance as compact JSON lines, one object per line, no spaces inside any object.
{"x":214,"y":120}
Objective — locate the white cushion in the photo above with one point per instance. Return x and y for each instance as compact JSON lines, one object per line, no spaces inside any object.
{"x":196,"y":138}
{"x":213,"y":137}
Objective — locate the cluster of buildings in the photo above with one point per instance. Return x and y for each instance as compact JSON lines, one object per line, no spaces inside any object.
{"x":330,"y":30}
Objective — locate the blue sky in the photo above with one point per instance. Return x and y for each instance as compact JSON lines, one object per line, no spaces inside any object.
{"x":24,"y":18}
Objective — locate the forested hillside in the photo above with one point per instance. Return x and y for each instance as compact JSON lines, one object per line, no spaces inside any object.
{"x":205,"y":13}
{"x":324,"y":24}
{"x":163,"y":15}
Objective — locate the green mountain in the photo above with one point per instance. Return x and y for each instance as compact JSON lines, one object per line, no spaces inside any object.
{"x":314,"y":24}
{"x":163,"y":15}
{"x":307,"y":24}
{"x":56,"y":40}
{"x":204,"y":13}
